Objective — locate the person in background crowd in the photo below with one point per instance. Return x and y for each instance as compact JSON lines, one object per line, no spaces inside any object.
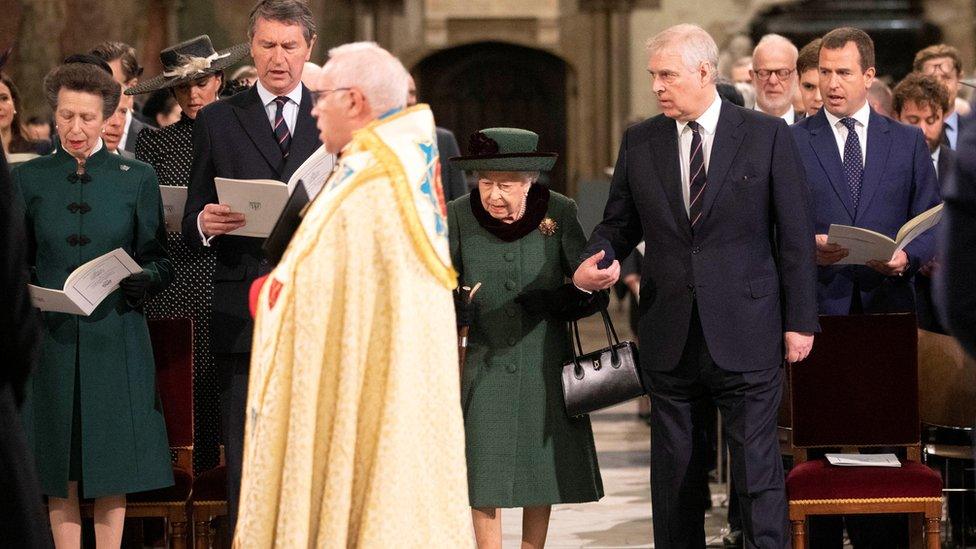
{"x":91,"y":411}
{"x":701,"y":335}
{"x":39,"y":128}
{"x":13,"y":135}
{"x":865,"y":170}
{"x":922,"y":101}
{"x":121,"y":57}
{"x":944,"y":63}
{"x":774,"y":77}
{"x":162,"y":108}
{"x":355,"y":434}
{"x":114,"y":128}
{"x":193,"y":82}
{"x":741,"y":72}
{"x":266,"y":132}
{"x":453,"y":182}
{"x":959,"y":235}
{"x":879,"y":97}
{"x":247,"y":74}
{"x":809,"y":76}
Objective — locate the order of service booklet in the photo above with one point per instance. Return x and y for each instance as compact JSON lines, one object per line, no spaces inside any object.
{"x":262,"y":200}
{"x":87,"y":285}
{"x":863,"y":460}
{"x":174,"y":203}
{"x":864,"y":245}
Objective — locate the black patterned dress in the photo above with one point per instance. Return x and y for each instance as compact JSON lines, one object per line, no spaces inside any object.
{"x":170,"y":151}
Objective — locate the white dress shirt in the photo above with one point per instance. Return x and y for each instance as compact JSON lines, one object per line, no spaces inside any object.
{"x":861,"y":118}
{"x":789,"y":116}
{"x":708,"y":122}
{"x":125,"y":129}
{"x":290,"y":110}
{"x":952,"y":129}
{"x":935,"y":160}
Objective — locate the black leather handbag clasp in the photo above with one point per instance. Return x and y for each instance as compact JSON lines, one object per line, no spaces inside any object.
{"x":602,"y":378}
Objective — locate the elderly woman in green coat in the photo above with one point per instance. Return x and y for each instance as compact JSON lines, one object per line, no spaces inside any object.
{"x":521,"y":241}
{"x":91,"y":412}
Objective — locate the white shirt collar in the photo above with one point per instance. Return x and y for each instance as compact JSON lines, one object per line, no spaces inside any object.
{"x":708,"y":120}
{"x":862,"y":115}
{"x":935,"y":156}
{"x":789,"y":116}
{"x":96,"y":148}
{"x":267,"y":97}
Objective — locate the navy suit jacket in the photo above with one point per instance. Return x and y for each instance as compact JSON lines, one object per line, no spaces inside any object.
{"x":750,"y":263}
{"x":899,"y":183}
{"x":959,"y":232}
{"x":233,"y":138}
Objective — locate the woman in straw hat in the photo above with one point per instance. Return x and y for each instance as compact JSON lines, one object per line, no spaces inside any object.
{"x":194,"y":73}
{"x":520,"y":241}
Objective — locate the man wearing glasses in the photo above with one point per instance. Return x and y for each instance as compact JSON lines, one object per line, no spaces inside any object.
{"x":943,"y":62}
{"x":266,"y":132}
{"x":774,"y":77}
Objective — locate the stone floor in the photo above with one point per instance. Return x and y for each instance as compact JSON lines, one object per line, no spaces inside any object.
{"x":623,"y":517}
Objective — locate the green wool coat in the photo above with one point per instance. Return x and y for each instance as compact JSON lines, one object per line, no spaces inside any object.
{"x":123,"y":444}
{"x":522,"y":448}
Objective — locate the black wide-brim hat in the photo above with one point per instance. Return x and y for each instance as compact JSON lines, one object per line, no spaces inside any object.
{"x":188,"y":61}
{"x":505,"y":150}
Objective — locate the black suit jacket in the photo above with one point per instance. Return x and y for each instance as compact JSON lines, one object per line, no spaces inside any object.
{"x":135,"y":127}
{"x":959,"y":237}
{"x":452,"y":177}
{"x":233,"y":138}
{"x":750,"y":263}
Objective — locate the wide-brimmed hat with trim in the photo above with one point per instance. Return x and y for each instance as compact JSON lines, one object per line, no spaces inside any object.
{"x":188,"y":61}
{"x":505,"y":150}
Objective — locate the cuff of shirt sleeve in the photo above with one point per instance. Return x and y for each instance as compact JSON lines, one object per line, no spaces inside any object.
{"x":206,"y":240}
{"x":582,"y":289}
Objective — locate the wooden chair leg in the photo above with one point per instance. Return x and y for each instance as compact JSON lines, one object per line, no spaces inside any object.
{"x":177,"y":534}
{"x":799,"y":534}
{"x":915,"y":540}
{"x":933,"y":537}
{"x":201,"y":534}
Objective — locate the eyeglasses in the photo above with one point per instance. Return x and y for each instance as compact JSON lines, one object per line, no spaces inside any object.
{"x":764,"y":74}
{"x":947,"y":67}
{"x":318,"y":95}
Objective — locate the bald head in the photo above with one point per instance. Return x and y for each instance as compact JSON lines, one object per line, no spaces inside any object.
{"x":774,"y":74}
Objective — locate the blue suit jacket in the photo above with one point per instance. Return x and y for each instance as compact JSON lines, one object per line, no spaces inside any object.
{"x":750,"y":263}
{"x":899,"y":183}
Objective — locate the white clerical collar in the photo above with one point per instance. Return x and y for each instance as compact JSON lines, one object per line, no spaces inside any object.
{"x":267,"y":97}
{"x":862,"y":115}
{"x":708,"y":120}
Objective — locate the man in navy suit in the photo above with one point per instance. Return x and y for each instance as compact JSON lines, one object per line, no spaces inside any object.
{"x":266,"y":132}
{"x":868,"y":171}
{"x":727,"y":283}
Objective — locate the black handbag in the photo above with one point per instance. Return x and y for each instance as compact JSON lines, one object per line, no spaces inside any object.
{"x":602,"y":378}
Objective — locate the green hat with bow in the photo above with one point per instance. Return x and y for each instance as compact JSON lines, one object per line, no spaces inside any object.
{"x":505,"y":150}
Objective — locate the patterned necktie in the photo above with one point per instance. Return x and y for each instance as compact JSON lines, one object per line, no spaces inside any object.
{"x":696,"y":172}
{"x":282,"y":135}
{"x":853,"y":165}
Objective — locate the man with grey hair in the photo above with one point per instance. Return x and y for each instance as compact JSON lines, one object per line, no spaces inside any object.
{"x":265,"y":132}
{"x":727,"y":284}
{"x":774,"y":77}
{"x":355,"y":436}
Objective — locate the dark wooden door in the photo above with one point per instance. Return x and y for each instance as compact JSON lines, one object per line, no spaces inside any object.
{"x":492,"y":84}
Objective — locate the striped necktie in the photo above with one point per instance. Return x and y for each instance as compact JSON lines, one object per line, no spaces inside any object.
{"x":696,"y":172}
{"x":282,"y":135}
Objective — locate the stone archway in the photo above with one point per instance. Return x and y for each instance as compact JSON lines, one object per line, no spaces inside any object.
{"x":490,"y":84}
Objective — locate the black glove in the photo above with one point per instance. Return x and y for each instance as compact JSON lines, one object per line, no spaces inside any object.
{"x":465,"y":311}
{"x":565,"y":303}
{"x":135,"y":288}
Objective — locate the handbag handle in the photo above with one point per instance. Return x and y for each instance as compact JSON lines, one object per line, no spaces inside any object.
{"x":612,"y":340}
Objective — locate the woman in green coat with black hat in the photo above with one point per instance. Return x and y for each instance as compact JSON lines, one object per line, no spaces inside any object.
{"x":521,"y":242}
{"x":91,"y":413}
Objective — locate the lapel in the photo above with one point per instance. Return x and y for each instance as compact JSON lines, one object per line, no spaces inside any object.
{"x":306,"y":138}
{"x":824,"y":144}
{"x":665,"y":151}
{"x":879,"y":143}
{"x":254,"y":119}
{"x":728,"y":137}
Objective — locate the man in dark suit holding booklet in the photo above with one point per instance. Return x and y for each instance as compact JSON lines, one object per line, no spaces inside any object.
{"x":266,"y":132}
{"x":868,"y":171}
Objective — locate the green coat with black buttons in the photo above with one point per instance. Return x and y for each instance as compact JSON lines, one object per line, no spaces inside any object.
{"x":102,"y":365}
{"x":522,"y":447}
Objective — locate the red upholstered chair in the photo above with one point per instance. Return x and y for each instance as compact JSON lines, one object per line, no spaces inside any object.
{"x":859,"y":388}
{"x":172,"y":342}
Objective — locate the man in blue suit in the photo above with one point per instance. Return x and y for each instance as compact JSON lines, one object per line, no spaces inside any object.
{"x":865,"y":170}
{"x":727,"y":283}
